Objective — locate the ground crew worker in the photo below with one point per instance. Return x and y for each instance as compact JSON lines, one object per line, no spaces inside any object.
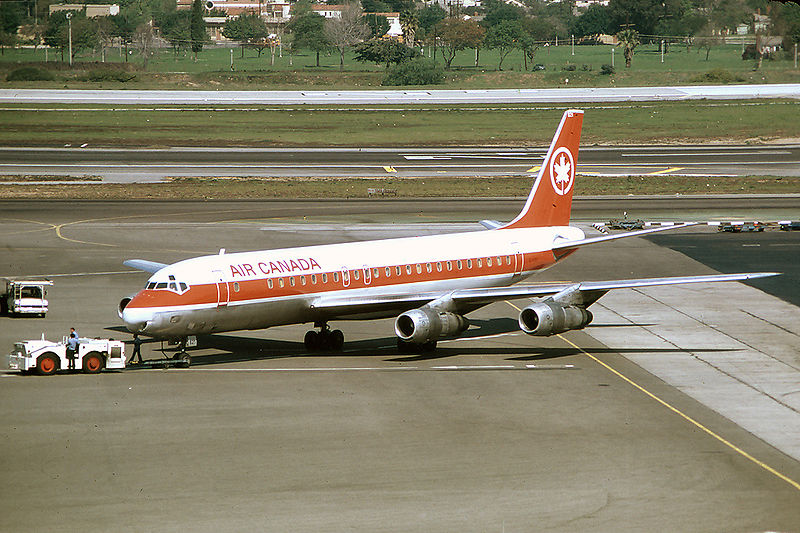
{"x":72,"y":348}
{"x":137,"y":349}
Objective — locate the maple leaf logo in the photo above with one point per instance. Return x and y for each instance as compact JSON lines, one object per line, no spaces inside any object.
{"x":561,"y":171}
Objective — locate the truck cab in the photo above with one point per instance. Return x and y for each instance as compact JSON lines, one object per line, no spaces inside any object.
{"x":25,"y":297}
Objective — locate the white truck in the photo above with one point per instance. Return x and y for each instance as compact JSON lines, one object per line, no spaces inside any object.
{"x":24,"y":297}
{"x":47,"y":357}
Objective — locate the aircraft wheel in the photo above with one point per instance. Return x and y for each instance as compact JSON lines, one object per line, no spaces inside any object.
{"x":46,"y":365}
{"x":92,"y":363}
{"x":311,"y":340}
{"x":336,"y":340}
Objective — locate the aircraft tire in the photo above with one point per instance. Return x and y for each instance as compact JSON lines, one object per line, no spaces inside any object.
{"x":336,"y":340}
{"x":311,"y":340}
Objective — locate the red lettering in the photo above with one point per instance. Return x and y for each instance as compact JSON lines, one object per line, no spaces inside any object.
{"x":284,"y":266}
{"x":295,"y":266}
{"x":263,"y":268}
{"x":235,"y":271}
{"x":273,"y":267}
{"x":314,"y":264}
{"x":249,"y":269}
{"x":303,"y":263}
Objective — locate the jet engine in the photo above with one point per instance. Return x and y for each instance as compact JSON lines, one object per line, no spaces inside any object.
{"x":123,"y":304}
{"x":548,"y":318}
{"x":423,"y":325}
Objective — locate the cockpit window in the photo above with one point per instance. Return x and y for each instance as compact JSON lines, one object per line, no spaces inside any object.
{"x":175,"y":286}
{"x":162,"y":285}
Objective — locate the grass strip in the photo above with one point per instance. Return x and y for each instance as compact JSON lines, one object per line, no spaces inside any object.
{"x":668,"y":122}
{"x":272,"y":188}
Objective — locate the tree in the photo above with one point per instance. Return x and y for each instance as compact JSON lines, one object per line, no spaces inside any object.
{"x":175,"y":29}
{"x":84,"y":32}
{"x":537,"y":30}
{"x":498,"y":11}
{"x":10,"y":20}
{"x":430,"y":16}
{"x":383,"y":51}
{"x":629,"y":39}
{"x":409,"y":22}
{"x":144,"y":38}
{"x":347,"y":30}
{"x":505,"y":37}
{"x":378,"y":24}
{"x":248,"y":29}
{"x":457,"y":34}
{"x":594,"y":21}
{"x":643,"y":15}
{"x":197,"y":30}
{"x":308,"y":31}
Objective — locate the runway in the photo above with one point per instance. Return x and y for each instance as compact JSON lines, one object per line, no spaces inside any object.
{"x":496,"y":431}
{"x":437,"y":96}
{"x":123,"y":165}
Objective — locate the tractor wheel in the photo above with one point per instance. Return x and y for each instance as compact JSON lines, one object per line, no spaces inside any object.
{"x":47,"y":364}
{"x":92,"y":363}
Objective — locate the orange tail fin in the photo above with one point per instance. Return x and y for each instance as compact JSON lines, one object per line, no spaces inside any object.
{"x":550,"y":200}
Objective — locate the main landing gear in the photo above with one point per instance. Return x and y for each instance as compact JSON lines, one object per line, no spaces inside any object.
{"x":324,"y":339}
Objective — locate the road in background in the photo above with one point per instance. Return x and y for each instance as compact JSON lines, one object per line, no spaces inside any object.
{"x":120,"y":165}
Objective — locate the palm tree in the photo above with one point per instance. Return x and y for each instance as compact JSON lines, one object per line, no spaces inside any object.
{"x":629,"y":39}
{"x":409,"y":21}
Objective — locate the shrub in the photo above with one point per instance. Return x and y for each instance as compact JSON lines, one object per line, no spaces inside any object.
{"x":606,"y":69}
{"x":717,"y":75}
{"x":418,"y":71}
{"x":569,"y":68}
{"x":107,"y":74}
{"x":30,"y":74}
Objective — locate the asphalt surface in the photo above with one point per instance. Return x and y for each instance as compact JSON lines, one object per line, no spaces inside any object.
{"x":498,"y":431}
{"x":148,"y":165}
{"x":606,"y":94}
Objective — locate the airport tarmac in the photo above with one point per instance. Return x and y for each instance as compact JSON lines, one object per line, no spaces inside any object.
{"x":597,"y":430}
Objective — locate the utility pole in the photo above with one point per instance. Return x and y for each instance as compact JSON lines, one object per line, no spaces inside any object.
{"x":69,"y":22}
{"x":662,"y":50}
{"x":573,"y":44}
{"x":612,"y":57}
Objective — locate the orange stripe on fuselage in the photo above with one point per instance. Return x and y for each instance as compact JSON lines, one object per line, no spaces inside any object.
{"x":256,"y":289}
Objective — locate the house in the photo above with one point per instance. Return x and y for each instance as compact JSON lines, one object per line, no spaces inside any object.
{"x":91,"y":10}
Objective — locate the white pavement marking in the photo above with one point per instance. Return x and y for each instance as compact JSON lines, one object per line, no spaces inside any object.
{"x":447,"y":368}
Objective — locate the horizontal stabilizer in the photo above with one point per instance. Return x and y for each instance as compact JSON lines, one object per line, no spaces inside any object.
{"x":145,"y":265}
{"x":491,"y":224}
{"x":564,"y":245}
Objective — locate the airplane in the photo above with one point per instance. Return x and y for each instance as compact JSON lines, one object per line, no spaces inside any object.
{"x":428,"y":283}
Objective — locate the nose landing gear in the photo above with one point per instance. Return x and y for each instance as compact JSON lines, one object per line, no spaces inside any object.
{"x":324,"y":340}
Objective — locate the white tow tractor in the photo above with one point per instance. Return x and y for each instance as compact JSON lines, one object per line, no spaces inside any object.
{"x":24,"y":297}
{"x":47,"y":357}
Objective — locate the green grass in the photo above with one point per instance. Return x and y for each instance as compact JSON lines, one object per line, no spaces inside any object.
{"x":255,"y":188}
{"x":695,"y":121}
{"x":212,"y":69}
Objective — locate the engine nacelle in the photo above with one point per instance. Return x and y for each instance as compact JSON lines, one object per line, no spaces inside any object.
{"x":423,"y":325}
{"x":548,"y":318}
{"x":123,"y":304}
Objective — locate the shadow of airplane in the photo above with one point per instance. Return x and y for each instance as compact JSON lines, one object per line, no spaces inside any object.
{"x":235,"y":349}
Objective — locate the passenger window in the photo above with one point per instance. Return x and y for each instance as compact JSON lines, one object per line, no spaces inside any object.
{"x":449,"y":266}
{"x":419,"y":268}
{"x":429,"y":268}
{"x":236,"y":286}
{"x":269,"y":283}
{"x":408,"y":269}
{"x":355,"y":274}
{"x":335,"y":276}
{"x":302,"y":280}
{"x":388,"y":272}
{"x":325,"y":278}
{"x":439,"y":266}
{"x":488,"y":261}
{"x":280,"y":282}
{"x":375,"y":273}
{"x":291,"y":281}
{"x":480,"y":262}
{"x":314,"y":279}
{"x":469,"y":263}
{"x":346,"y":276}
{"x":398,"y":270}
{"x":508,"y":259}
{"x":459,"y":264}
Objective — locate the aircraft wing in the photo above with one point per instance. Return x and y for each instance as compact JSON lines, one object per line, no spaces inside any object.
{"x":466,"y":300}
{"x":145,"y":265}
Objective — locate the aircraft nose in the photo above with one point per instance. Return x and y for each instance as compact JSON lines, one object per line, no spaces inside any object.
{"x":135,"y":319}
